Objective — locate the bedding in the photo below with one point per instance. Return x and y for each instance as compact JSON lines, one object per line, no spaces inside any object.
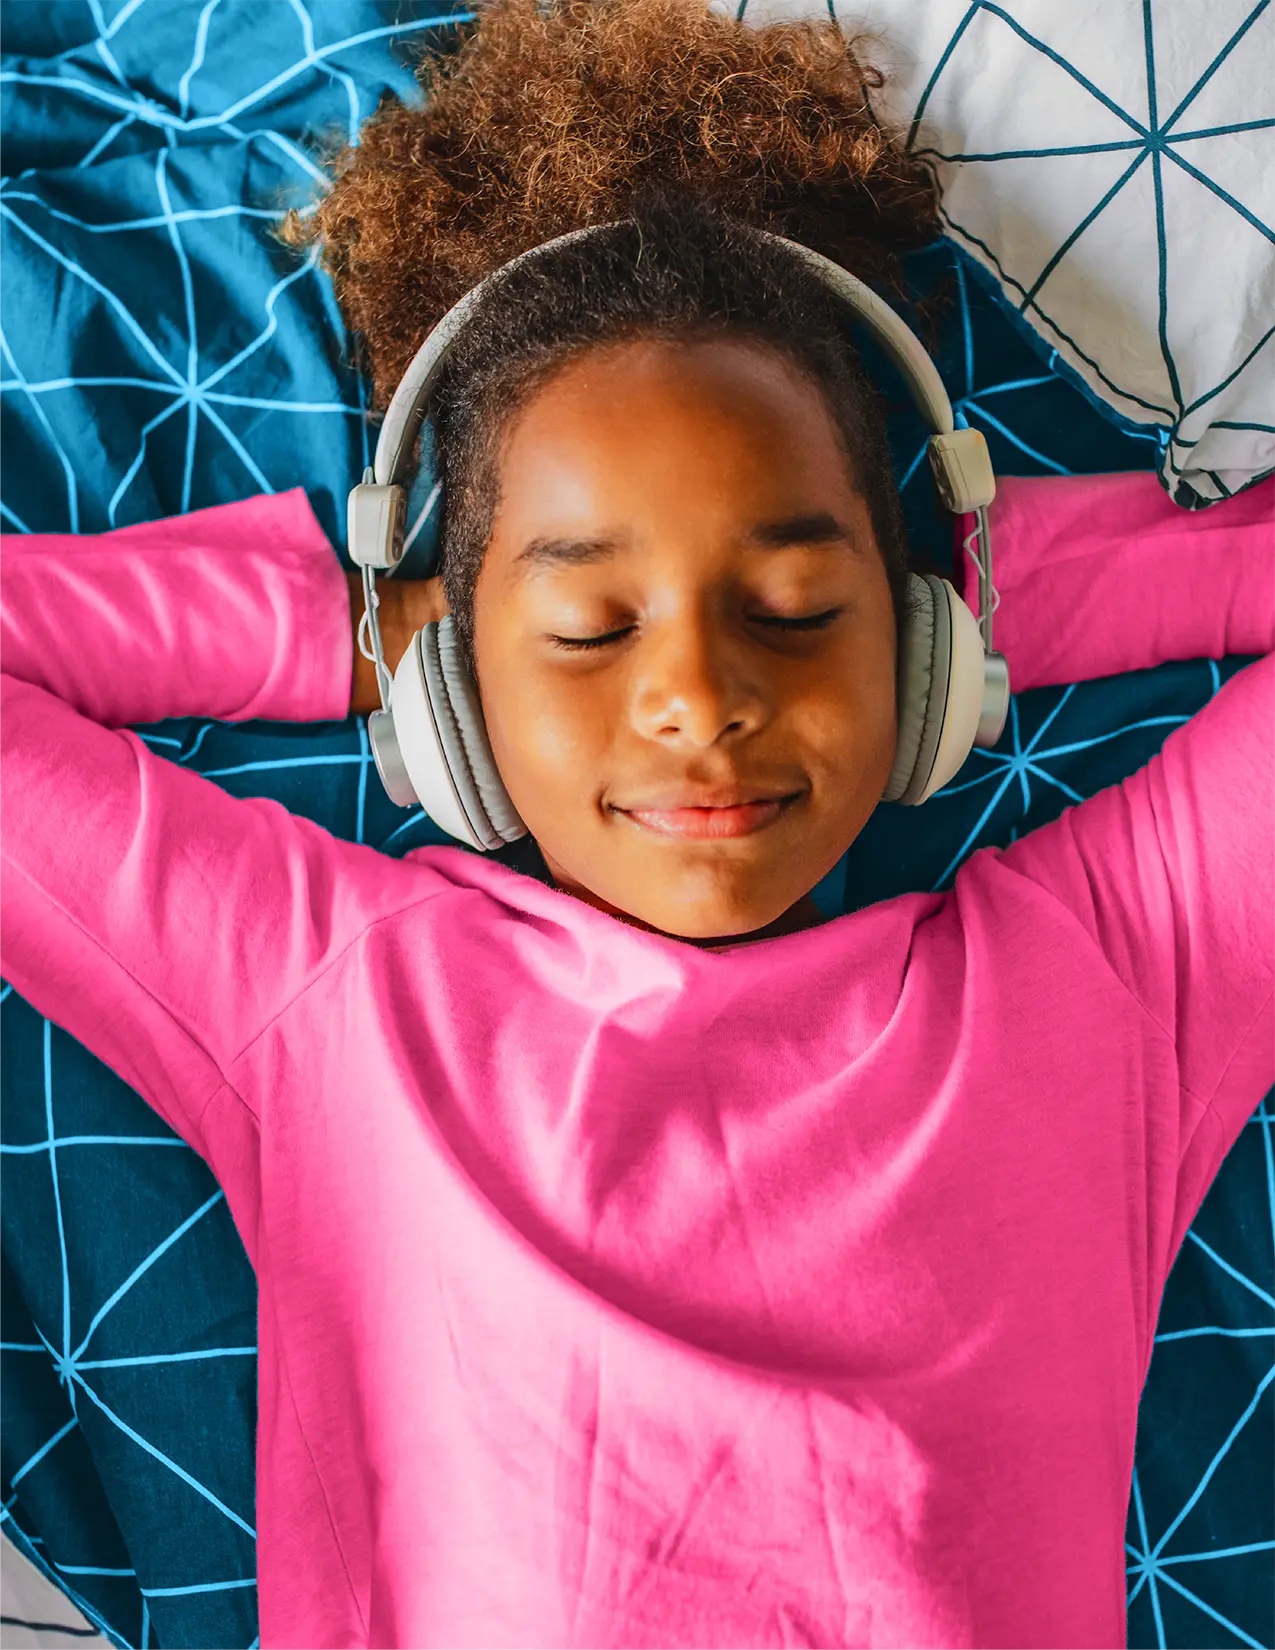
{"x":130,"y":1477}
{"x":1108,"y":170}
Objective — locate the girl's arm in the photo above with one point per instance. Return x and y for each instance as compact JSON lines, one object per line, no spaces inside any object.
{"x":1103,"y":574}
{"x":232,"y":613}
{"x":159,"y":920}
{"x":1172,"y":873}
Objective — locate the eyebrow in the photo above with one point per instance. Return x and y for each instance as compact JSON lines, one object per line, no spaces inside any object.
{"x":818,"y":529}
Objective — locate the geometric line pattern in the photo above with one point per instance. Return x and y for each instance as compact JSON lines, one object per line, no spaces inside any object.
{"x":1159,"y":143}
{"x":165,"y":200}
{"x":1157,"y":139}
{"x":161,"y":144}
{"x":1156,"y":143}
{"x":1162,"y":141}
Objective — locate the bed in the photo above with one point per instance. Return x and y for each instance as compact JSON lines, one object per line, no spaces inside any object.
{"x":163,"y":353}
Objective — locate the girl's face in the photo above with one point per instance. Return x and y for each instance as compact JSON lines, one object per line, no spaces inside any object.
{"x":676,"y":502}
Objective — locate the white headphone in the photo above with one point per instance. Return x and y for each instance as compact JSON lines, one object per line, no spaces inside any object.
{"x":429,"y":740}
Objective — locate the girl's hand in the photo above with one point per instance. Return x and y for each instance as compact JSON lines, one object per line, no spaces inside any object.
{"x":405,"y":605}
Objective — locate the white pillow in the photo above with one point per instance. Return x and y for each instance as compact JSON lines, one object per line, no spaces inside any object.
{"x":1146,"y":269}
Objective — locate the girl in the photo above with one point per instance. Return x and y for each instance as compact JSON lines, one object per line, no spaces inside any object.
{"x":613,"y":1292}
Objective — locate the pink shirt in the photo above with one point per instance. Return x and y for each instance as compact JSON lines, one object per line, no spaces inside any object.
{"x":618,"y":1292}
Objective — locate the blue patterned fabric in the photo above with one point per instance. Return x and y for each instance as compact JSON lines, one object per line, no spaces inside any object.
{"x":161,"y":353}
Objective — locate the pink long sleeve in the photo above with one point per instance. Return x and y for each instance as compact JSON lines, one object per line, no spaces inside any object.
{"x":159,"y":920}
{"x":233,"y":613}
{"x":1172,"y":873}
{"x":1102,"y":574}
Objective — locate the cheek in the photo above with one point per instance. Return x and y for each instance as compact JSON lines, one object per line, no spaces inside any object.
{"x":547,"y":738}
{"x":850,"y":712}
{"x":547,"y":732}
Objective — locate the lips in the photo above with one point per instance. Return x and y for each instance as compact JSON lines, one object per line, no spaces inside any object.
{"x":739,"y":819}
{"x":688,"y":797}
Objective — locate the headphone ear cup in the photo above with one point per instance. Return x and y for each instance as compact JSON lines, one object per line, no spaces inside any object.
{"x":941,"y":671}
{"x":438,"y":723}
{"x":918,"y":694}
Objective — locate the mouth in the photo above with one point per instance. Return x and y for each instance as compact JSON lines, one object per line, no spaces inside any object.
{"x":741,"y":820}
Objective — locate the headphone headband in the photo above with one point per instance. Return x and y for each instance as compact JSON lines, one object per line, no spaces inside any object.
{"x":406,"y":412}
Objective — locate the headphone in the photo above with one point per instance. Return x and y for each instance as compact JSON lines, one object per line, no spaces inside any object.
{"x":429,"y":740}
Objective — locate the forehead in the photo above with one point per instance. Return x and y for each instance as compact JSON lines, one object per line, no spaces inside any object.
{"x":672,"y":436}
{"x":713,"y":380}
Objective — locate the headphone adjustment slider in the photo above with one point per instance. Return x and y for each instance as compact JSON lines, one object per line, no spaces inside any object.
{"x":962,"y":469}
{"x":374,"y":525}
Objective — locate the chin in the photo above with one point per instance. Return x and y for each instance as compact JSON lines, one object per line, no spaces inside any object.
{"x":698,"y":904}
{"x":721,"y":922}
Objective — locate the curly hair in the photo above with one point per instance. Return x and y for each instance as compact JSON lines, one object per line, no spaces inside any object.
{"x":687,"y":129}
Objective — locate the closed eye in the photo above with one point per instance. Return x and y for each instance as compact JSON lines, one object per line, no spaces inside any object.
{"x":812,"y":621}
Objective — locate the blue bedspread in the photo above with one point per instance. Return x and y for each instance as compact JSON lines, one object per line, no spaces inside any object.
{"x":162,"y":352}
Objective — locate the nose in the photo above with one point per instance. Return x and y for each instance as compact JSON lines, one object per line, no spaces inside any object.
{"x":693,"y":682}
